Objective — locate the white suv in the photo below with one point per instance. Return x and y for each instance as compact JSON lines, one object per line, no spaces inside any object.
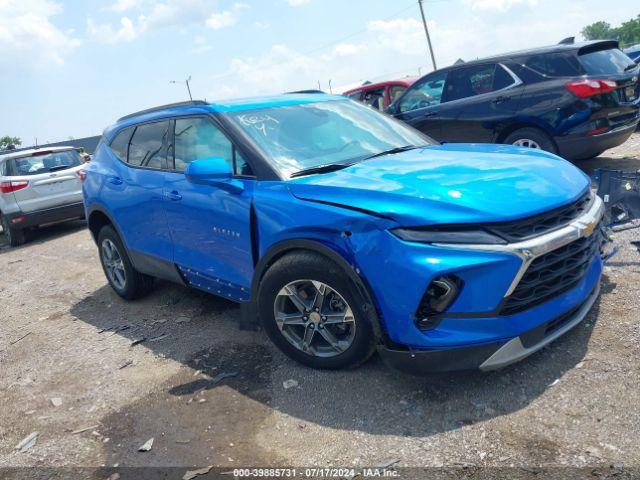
{"x":39,"y":186}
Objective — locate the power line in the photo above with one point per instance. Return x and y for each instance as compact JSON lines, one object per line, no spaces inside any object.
{"x":326,"y":45}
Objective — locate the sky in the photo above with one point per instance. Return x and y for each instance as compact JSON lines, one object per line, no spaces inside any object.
{"x":71,"y":68}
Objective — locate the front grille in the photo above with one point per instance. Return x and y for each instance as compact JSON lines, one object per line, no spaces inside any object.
{"x":519,"y":230}
{"x":553,"y":274}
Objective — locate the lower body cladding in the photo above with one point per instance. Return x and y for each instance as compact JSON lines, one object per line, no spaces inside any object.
{"x":512,"y":300}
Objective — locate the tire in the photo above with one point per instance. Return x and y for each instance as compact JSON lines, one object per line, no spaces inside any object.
{"x":305,"y":272}
{"x":15,"y":236}
{"x":127,"y":281}
{"x":534,"y":135}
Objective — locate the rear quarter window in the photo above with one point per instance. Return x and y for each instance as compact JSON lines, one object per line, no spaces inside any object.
{"x":120,"y":144}
{"x":555,"y":64}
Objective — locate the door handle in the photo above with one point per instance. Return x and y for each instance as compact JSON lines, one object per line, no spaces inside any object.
{"x":173,"y":196}
{"x":500,"y":99}
{"x":115,"y":180}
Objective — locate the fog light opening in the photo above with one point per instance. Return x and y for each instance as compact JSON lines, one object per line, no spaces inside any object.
{"x":440,"y":294}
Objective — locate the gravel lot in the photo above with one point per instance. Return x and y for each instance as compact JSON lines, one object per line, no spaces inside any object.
{"x":68,"y":371}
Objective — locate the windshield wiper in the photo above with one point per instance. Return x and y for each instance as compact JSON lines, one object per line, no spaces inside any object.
{"x":326,"y":168}
{"x":391,"y":151}
{"x":631,"y":67}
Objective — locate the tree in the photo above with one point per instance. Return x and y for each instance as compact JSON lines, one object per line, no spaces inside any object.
{"x":627,"y":34}
{"x":7,"y":140}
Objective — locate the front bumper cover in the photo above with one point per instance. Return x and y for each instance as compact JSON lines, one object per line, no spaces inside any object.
{"x":488,"y":356}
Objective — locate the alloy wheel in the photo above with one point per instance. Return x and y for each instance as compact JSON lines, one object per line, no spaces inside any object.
{"x":314,"y":318}
{"x":113,"y":264}
{"x":528,"y":143}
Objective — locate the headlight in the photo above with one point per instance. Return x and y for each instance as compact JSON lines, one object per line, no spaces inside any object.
{"x":448,"y":235}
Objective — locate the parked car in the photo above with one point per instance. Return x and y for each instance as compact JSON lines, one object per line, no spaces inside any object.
{"x":380,"y":95}
{"x":37,"y":187}
{"x":345,"y":231}
{"x":633,"y":52}
{"x":576,"y":100}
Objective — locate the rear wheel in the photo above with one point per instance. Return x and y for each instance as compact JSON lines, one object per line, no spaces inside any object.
{"x":122,"y":276}
{"x":15,"y":236}
{"x":531,"y":138}
{"x":313,"y":313}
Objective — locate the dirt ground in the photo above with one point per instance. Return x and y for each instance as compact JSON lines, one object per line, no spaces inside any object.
{"x":210,"y":394}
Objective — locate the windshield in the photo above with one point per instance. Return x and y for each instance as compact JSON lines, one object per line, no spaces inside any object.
{"x":300,"y":137}
{"x":49,"y":162}
{"x":605,"y":62}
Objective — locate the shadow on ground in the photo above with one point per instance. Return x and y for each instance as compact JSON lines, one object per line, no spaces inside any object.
{"x":37,"y":236}
{"x":244,"y":375}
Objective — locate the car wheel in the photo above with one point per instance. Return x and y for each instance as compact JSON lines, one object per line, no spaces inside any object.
{"x":122,"y":276}
{"x":15,"y":236}
{"x":531,"y":138}
{"x":313,"y":313}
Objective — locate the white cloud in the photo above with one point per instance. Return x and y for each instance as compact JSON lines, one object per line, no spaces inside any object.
{"x":346,"y":49}
{"x":297,"y":3}
{"x":226,"y":18}
{"x":499,"y":5}
{"x":164,"y":14}
{"x":123,"y":5}
{"x":106,"y":33}
{"x":29,"y":38}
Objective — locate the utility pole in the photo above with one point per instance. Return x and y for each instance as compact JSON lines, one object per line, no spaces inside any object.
{"x":426,"y":31}
{"x":188,"y":87}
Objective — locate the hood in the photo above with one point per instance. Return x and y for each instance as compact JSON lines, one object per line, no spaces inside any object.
{"x":449,"y":184}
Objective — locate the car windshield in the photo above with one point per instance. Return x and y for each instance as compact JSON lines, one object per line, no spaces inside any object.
{"x":46,"y":162}
{"x":299,"y":137}
{"x":605,"y":62}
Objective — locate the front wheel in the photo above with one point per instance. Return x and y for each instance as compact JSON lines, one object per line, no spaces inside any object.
{"x":15,"y":236}
{"x":531,"y":138}
{"x":120,"y":272}
{"x":313,"y":313}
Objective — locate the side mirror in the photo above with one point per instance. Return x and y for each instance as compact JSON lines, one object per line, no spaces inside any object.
{"x":208,"y":170}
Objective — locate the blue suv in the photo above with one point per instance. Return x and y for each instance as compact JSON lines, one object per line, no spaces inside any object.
{"x":343,"y":231}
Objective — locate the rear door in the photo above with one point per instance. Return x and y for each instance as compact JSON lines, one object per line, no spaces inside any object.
{"x":134,"y":188}
{"x":421,"y":105}
{"x":51,"y":179}
{"x":481,"y":98}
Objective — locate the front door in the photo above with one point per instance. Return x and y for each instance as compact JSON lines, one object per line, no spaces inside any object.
{"x":421,"y":105}
{"x":210,"y":224}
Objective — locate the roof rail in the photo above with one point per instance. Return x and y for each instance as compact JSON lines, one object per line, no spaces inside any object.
{"x":164,"y":107}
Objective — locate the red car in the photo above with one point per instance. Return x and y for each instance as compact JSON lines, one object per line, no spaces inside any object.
{"x":380,"y":95}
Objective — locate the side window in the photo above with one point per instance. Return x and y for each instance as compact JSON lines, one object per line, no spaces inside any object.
{"x":426,"y":93}
{"x":395,"y":92}
{"x":355,"y":95}
{"x":375,"y":98}
{"x":146,"y":148}
{"x":555,"y":65}
{"x":120,"y":144}
{"x":197,"y":138}
{"x":502,"y":78}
